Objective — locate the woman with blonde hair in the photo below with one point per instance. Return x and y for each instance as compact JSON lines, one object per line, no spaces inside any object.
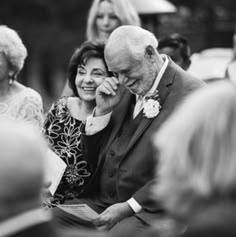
{"x":16,"y":100}
{"x":104,"y":17}
{"x":197,"y":166}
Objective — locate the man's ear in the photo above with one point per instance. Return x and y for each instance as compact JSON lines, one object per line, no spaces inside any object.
{"x":150,"y":53}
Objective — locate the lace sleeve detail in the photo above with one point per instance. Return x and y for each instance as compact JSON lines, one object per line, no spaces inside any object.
{"x":31,"y":109}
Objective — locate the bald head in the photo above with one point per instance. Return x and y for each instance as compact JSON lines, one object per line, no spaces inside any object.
{"x":129,"y":41}
{"x":21,"y":163}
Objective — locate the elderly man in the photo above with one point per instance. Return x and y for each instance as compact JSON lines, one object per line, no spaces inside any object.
{"x":116,"y":139}
{"x":21,"y":181}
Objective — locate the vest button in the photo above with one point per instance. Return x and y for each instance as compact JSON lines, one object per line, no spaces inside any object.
{"x":112,"y":153}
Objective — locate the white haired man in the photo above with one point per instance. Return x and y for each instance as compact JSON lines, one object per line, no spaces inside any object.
{"x":116,"y":140}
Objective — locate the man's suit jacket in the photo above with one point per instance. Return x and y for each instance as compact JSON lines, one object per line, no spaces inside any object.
{"x":136,"y":170}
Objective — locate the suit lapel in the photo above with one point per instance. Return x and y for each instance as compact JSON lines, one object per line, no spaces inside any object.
{"x":164,"y":90}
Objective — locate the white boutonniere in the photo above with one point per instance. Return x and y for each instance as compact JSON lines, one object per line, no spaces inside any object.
{"x":151,"y":106}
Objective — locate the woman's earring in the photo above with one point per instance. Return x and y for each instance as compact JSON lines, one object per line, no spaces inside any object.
{"x":11,"y":78}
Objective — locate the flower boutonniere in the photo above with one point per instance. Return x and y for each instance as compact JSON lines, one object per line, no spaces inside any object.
{"x":151,"y":105}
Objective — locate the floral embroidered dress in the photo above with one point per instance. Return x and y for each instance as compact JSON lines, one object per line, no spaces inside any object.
{"x":26,"y":105}
{"x":63,"y":134}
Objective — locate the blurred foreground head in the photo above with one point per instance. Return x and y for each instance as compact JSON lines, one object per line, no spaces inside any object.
{"x":197,"y":151}
{"x":21,"y":168}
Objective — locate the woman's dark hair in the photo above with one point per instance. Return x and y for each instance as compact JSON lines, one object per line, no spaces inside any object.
{"x":87,"y":50}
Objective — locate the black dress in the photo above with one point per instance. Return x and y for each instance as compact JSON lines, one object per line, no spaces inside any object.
{"x":62,"y":132}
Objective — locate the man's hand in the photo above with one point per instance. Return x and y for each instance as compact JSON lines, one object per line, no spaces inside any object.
{"x":112,"y":215}
{"x":108,"y":95}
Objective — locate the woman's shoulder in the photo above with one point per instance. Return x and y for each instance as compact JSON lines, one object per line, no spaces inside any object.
{"x":25,"y":91}
{"x":72,"y":101}
{"x":23,"y":95}
{"x":61,"y":102}
{"x":59,"y":105}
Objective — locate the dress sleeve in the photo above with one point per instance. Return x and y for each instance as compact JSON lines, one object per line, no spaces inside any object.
{"x":52,"y":117}
{"x":31,"y":109}
{"x":49,"y":118}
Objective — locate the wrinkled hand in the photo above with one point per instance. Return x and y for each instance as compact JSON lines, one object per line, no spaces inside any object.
{"x":112,"y":215}
{"x":108,"y":95}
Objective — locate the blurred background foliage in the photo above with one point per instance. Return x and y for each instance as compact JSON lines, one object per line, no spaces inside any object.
{"x":52,"y":29}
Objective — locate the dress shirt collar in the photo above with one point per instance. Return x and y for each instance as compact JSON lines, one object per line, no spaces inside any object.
{"x":158,"y":78}
{"x":23,"y":221}
{"x":159,"y":75}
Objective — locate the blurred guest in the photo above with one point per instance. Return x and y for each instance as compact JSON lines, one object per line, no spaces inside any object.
{"x":197,"y":168}
{"x":22,"y":179}
{"x":87,"y":70}
{"x":118,"y":132}
{"x":177,"y":48}
{"x":105,"y":16}
{"x":16,"y":100}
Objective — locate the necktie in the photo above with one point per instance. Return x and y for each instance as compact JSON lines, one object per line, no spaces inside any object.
{"x":138,"y":106}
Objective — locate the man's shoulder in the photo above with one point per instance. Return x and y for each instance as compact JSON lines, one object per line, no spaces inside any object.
{"x":186,"y":80}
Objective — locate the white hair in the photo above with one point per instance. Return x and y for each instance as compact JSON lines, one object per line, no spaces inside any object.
{"x":132,"y":40}
{"x":12,"y":47}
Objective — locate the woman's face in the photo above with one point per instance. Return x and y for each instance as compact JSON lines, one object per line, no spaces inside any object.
{"x":106,"y":20}
{"x":89,"y":77}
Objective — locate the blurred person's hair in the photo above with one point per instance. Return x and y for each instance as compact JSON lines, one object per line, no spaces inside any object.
{"x":124,"y":11}
{"x":13,"y":48}
{"x":196,"y":146}
{"x":89,"y":49}
{"x":23,"y":151}
{"x":130,"y":40}
{"x":179,"y":44}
